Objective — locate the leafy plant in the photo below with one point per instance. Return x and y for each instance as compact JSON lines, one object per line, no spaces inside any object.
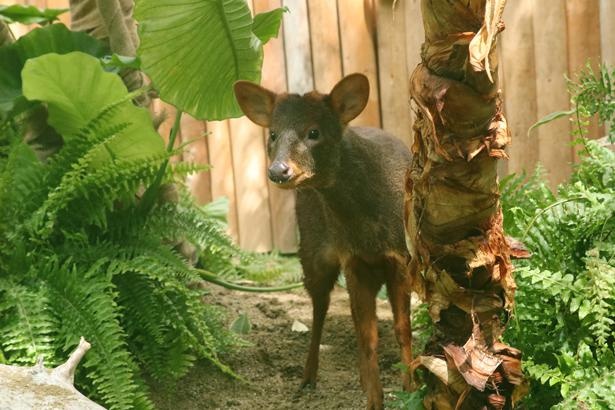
{"x":565,"y":315}
{"x":229,"y":43}
{"x":91,"y":235}
{"x":17,"y":13}
{"x":592,"y":94}
{"x":76,"y":242}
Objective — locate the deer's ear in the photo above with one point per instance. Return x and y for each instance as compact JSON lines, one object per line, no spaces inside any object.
{"x":349,"y":96}
{"x":255,"y":101}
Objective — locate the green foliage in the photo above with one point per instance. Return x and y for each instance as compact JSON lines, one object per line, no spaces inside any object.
{"x":408,"y":400}
{"x":98,"y":239}
{"x":55,"y":38}
{"x":18,"y":13}
{"x":265,"y":26}
{"x":565,"y":314}
{"x":74,"y":88}
{"x":592,"y":95}
{"x":229,"y":44}
{"x":80,"y":257}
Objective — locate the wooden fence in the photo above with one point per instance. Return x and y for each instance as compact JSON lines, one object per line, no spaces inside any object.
{"x":322,"y":40}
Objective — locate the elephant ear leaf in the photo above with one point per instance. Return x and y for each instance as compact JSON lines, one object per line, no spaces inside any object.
{"x":75,"y":87}
{"x":266,"y":25}
{"x":55,"y":38}
{"x":18,"y":13}
{"x":195,"y":50}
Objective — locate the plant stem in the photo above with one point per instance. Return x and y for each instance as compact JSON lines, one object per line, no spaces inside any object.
{"x":211,"y":277}
{"x":150,"y":194}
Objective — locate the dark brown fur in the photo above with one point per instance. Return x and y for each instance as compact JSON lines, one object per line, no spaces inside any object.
{"x":350,"y":192}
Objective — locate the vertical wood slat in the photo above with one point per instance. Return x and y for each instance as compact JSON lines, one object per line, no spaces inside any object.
{"x":551,"y":57}
{"x":281,"y":202}
{"x":251,"y":190}
{"x":519,"y":88}
{"x":249,"y":164}
{"x":393,"y":73}
{"x":222,"y":172}
{"x":325,"y":41}
{"x":297,"y":46}
{"x":607,"y":31}
{"x":584,"y":45}
{"x":415,"y":36}
{"x":359,"y":55}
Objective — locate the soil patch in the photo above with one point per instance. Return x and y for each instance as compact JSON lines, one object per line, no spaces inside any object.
{"x":272,"y":366}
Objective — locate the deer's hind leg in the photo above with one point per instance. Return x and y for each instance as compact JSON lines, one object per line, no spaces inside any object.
{"x":398,"y":290}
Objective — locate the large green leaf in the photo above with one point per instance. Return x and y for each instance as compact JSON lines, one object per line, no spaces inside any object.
{"x":55,"y":38}
{"x":76,"y":88}
{"x":266,"y":25}
{"x":194,"y":50}
{"x":18,"y":13}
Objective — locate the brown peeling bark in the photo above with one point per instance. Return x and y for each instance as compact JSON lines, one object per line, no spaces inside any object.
{"x":453,"y":215}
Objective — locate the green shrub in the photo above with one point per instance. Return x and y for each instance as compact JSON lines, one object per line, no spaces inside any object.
{"x":565,"y":303}
{"x":91,"y":224}
{"x":81,"y":257}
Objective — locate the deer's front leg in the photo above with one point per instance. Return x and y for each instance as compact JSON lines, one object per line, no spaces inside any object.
{"x":363,"y":289}
{"x":318,"y":277}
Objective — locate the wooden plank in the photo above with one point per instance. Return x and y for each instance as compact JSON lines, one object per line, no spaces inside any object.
{"x":297,"y":45}
{"x":197,"y":152}
{"x":326,"y":53}
{"x":584,"y":45}
{"x":415,"y":36}
{"x":607,"y":35}
{"x":250,"y":168}
{"x":392,"y":70}
{"x":222,"y":173}
{"x":359,"y":54}
{"x":607,"y":31}
{"x":517,"y":64}
{"x":281,"y":202}
{"x":551,"y":60}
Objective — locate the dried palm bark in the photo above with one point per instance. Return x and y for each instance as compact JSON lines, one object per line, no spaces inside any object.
{"x":453,"y":215}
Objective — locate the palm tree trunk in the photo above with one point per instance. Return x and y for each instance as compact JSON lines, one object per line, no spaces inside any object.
{"x":453,"y":215}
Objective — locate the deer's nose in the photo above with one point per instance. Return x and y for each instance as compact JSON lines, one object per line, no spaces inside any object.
{"x":279,"y":172}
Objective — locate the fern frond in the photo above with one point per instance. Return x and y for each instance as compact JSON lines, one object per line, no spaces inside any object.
{"x":154,"y":338}
{"x":96,"y":190}
{"x":96,"y":131}
{"x":27,"y":326}
{"x":86,"y":305}
{"x":598,"y":286}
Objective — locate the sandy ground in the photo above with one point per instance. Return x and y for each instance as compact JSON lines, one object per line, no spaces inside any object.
{"x":271,"y":367}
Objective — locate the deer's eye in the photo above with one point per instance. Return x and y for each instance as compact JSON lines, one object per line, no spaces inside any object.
{"x":273,"y":136}
{"x":313,"y":134}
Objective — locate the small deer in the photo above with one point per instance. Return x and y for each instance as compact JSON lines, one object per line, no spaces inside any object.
{"x":350,"y":193}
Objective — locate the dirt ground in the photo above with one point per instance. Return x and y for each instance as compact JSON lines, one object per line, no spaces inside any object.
{"x":272,"y":366}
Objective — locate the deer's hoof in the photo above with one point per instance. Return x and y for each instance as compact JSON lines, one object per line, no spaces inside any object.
{"x":307,"y":384}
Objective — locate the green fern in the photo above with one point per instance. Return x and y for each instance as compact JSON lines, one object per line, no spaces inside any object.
{"x":29,"y":329}
{"x":86,"y":260}
{"x":565,"y":315}
{"x":86,"y":304}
